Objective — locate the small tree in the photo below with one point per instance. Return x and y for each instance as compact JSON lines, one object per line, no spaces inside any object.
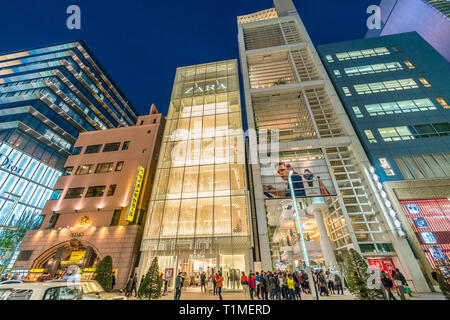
{"x":358,"y":277}
{"x":104,"y":273}
{"x":151,"y":286}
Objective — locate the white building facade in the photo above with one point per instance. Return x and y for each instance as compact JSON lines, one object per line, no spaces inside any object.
{"x":291,"y":102}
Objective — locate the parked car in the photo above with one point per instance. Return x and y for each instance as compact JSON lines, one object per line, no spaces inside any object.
{"x":10,"y":282}
{"x":55,"y":290}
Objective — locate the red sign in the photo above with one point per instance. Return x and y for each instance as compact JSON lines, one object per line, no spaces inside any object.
{"x":385,"y":264}
{"x":168,"y":273}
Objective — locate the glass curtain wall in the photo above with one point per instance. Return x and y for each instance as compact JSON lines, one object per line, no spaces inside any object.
{"x":198,"y":219}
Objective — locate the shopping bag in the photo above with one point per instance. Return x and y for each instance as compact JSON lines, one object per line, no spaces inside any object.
{"x":408,"y":290}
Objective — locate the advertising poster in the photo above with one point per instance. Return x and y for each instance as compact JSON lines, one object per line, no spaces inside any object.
{"x":437,"y":254}
{"x":428,"y":238}
{"x":310,"y":179}
{"x":412,"y":208}
{"x":168,"y":273}
{"x":420,"y":223}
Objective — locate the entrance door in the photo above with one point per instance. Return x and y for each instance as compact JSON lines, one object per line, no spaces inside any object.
{"x":193,"y":268}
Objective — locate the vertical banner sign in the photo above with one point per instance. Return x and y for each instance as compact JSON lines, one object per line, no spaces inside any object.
{"x":135,"y":195}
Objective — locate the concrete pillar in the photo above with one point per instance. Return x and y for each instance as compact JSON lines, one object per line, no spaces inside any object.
{"x":325,"y":242}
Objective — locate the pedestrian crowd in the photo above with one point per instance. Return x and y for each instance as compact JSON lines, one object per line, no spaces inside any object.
{"x":288,"y":285}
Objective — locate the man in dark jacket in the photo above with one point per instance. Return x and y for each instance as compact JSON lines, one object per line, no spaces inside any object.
{"x":387,"y":284}
{"x":178,"y":285}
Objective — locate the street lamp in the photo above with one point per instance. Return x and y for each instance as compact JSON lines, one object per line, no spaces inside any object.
{"x":312,"y":283}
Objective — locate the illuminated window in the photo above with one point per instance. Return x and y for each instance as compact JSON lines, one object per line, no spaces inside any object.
{"x":337,"y":73}
{"x":386,"y":167}
{"x":74,"y":193}
{"x":424,"y":82}
{"x":96,"y":191}
{"x":396,"y":133}
{"x":370,"y":136}
{"x":374,"y":68}
{"x":119,"y":166}
{"x":443,"y":103}
{"x":367,"y":53}
{"x":329,"y":58}
{"x":104,"y":167}
{"x":394,"y":85}
{"x":67,"y":171}
{"x":346,"y":91}
{"x":357,"y":112}
{"x":403,"y":106}
{"x":84,"y":169}
{"x":111,"y":190}
{"x":409,"y":64}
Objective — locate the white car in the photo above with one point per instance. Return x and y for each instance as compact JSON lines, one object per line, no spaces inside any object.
{"x":10,"y":282}
{"x":53,"y":290}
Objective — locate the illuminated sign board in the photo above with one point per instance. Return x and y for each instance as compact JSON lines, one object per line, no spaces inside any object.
{"x":135,"y":196}
{"x":5,"y":163}
{"x":77,"y":255}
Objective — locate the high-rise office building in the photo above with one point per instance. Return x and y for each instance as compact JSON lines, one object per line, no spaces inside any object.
{"x":47,"y":97}
{"x":429,"y":18}
{"x":198,"y":218}
{"x":290,"y":98}
{"x":396,"y":92}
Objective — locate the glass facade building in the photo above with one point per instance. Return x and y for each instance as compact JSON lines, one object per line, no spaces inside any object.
{"x":398,"y":103}
{"x":198,"y":216}
{"x":290,"y":100}
{"x":401,"y":115}
{"x":47,"y":97}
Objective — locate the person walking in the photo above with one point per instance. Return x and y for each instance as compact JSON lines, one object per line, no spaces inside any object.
{"x":219,"y":283}
{"x":273,"y":287}
{"x":281,"y":284}
{"x":251,"y":285}
{"x":244,"y":283}
{"x":290,"y":286}
{"x":214,"y":284}
{"x":305,"y":282}
{"x":258,"y":285}
{"x":338,"y":284}
{"x":203,"y":282}
{"x":399,"y":284}
{"x":113,"y":281}
{"x":297,"y":291}
{"x":263,"y":286}
{"x":178,"y":285}
{"x":322,"y":284}
{"x":387,"y":284}
{"x":129,"y":287}
{"x":330,"y":278}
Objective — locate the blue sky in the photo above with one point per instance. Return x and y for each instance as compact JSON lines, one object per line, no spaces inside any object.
{"x":142,"y":42}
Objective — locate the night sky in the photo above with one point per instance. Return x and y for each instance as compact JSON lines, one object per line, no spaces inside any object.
{"x":142,"y":42}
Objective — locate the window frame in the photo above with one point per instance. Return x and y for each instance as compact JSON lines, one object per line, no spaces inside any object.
{"x":111,"y":147}
{"x":95,"y":192}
